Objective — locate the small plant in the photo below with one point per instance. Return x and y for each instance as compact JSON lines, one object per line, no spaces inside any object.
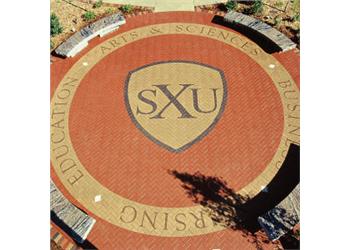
{"x":97,"y":4}
{"x":277,"y":21}
{"x":257,"y":7}
{"x":52,"y":44}
{"x":231,"y":5}
{"x":109,"y":11}
{"x":127,"y":8}
{"x":55,"y":26}
{"x":296,"y":17}
{"x":89,"y":15}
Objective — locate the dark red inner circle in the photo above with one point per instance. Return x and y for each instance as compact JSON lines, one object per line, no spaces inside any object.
{"x":123,"y":159}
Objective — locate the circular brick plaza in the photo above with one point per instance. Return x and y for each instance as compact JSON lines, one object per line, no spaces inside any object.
{"x":169,"y":93}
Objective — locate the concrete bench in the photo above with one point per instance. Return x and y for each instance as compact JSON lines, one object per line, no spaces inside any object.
{"x":278,"y":38}
{"x":71,"y":219}
{"x":79,"y":40}
{"x":283,"y":217}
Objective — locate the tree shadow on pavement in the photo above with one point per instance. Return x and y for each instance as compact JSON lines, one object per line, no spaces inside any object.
{"x":235,"y":211}
{"x":224,"y":206}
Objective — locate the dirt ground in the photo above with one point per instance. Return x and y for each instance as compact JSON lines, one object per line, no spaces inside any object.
{"x":284,"y":16}
{"x":54,"y":246}
{"x":70,"y":14}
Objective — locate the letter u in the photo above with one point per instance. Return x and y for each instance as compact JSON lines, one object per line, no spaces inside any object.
{"x":196,"y":101}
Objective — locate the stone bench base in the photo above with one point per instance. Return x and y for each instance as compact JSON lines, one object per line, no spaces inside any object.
{"x":79,"y":40}
{"x":108,"y":30}
{"x":75,"y":222}
{"x":283,"y":217}
{"x":79,"y":47}
{"x":278,"y":38}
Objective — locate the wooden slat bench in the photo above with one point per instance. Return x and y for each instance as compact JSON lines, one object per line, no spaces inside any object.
{"x":79,"y":40}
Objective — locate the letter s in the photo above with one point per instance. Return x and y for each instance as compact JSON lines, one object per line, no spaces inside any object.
{"x":147,"y":101}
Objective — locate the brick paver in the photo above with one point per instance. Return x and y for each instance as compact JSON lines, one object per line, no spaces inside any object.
{"x":106,"y":140}
{"x":62,"y":239}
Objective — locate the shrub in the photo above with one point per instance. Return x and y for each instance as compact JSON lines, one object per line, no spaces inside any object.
{"x":257,"y":7}
{"x":97,"y":4}
{"x":55,"y":26}
{"x":231,"y":5}
{"x":296,"y":17}
{"x":109,"y":11}
{"x":89,"y":15}
{"x":52,"y":44}
{"x":127,"y":8}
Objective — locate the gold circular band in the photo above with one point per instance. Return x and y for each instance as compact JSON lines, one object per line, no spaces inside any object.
{"x":141,"y":218}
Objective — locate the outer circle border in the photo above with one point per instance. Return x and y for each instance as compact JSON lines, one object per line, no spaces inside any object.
{"x":114,"y":208}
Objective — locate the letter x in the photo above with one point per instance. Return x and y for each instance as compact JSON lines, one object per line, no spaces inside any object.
{"x":173,"y":100}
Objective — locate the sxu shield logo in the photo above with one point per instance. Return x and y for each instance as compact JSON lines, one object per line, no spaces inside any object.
{"x":175,"y":103}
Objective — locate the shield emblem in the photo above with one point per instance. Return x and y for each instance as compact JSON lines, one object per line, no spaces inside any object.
{"x":175,"y":103}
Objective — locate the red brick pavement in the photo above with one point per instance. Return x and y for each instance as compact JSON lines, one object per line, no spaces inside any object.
{"x":249,"y":105}
{"x":62,"y":239}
